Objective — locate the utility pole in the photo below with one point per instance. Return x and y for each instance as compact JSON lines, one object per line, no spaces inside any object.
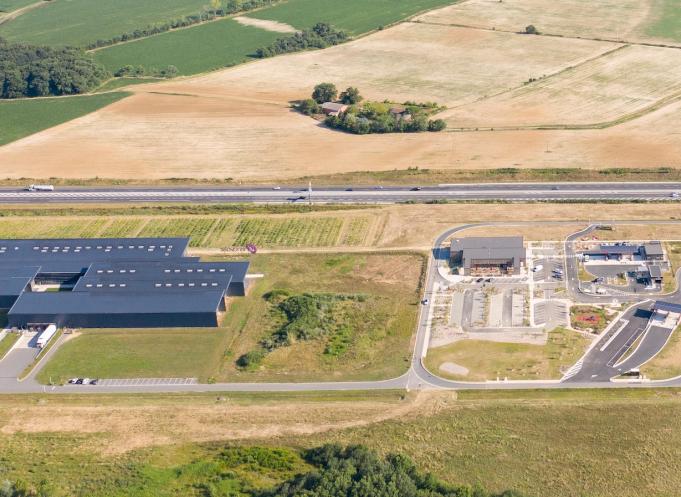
{"x":309,"y":193}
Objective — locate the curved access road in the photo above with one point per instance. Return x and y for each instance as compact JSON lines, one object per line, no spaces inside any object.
{"x":416,"y":378}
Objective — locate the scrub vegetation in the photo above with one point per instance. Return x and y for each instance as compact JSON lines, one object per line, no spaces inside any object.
{"x":24,"y":117}
{"x":486,"y":360}
{"x":345,"y":316}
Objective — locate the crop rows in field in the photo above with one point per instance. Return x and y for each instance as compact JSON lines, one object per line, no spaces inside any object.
{"x":126,"y":227}
{"x":222,"y":233}
{"x":195,"y":228}
{"x":356,"y":230}
{"x":319,"y":232}
{"x":50,"y":228}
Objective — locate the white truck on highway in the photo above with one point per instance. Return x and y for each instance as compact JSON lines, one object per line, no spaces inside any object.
{"x":46,"y":336}
{"x":40,"y":188}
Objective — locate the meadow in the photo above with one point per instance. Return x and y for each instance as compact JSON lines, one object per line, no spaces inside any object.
{"x":488,"y":360}
{"x":381,"y":350}
{"x":24,"y":117}
{"x":132,"y":353}
{"x":353,"y":16}
{"x":79,"y":22}
{"x":206,"y":47}
{"x":10,"y":5}
{"x":667,"y":22}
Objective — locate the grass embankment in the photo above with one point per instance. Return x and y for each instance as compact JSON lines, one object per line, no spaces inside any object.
{"x":79,"y":22}
{"x":24,"y":117}
{"x":517,"y":361}
{"x":666,"y":364}
{"x":375,"y":340}
{"x":354,"y":16}
{"x":197,"y":49}
{"x":43,"y":352}
{"x":7,"y":343}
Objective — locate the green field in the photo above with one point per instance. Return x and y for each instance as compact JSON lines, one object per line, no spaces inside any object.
{"x":354,"y":16}
{"x":214,"y":232}
{"x":7,"y":342}
{"x":24,"y":117}
{"x":518,"y":361}
{"x":376,"y":347}
{"x":10,"y":5}
{"x":667,"y":22}
{"x":201,"y":48}
{"x":116,"y":83}
{"x":79,"y":22}
{"x":134,"y":353}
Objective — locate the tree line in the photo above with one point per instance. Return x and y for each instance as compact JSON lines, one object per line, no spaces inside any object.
{"x":231,"y":7}
{"x":37,"y":71}
{"x":321,"y":35}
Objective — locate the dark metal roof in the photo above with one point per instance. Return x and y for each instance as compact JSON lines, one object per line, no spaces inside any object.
{"x":653,"y":248}
{"x":618,"y":249}
{"x":655,"y":271}
{"x":60,"y":303}
{"x":13,"y":280}
{"x":667,"y":306}
{"x":487,"y":242}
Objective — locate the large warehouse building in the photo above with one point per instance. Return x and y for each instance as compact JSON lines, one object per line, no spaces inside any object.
{"x":488,"y":255}
{"x":113,"y":283}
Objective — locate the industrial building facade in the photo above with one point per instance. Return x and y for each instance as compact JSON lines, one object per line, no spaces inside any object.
{"x":113,"y":283}
{"x":503,"y":255}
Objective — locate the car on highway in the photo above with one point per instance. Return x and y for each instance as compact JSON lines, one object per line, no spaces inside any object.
{"x":674,"y":195}
{"x":73,"y":381}
{"x":86,"y":381}
{"x":416,"y":189}
{"x":556,"y":188}
{"x":348,"y":189}
{"x":425,"y":301}
{"x":378,"y":187}
{"x":276,"y":188}
{"x":480,"y":280}
{"x":301,"y":197}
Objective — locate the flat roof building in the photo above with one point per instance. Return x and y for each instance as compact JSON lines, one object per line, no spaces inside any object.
{"x":114,"y":283}
{"x":488,"y":255}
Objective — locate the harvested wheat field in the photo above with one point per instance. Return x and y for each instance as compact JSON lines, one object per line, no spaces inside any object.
{"x":238,"y":123}
{"x":628,"y":20}
{"x":615,"y":86}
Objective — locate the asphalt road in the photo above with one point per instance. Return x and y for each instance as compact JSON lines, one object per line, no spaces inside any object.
{"x":349,"y":194}
{"x":418,"y":377}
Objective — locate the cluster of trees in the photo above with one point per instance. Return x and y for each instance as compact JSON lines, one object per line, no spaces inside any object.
{"x":35,"y":71}
{"x":139,"y":71}
{"x":322,"y":35}
{"x":216,"y":10}
{"x":327,"y":92}
{"x":356,"y":471}
{"x":365,"y":122}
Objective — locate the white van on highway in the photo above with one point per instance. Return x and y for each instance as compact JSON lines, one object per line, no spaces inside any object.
{"x":40,"y":188}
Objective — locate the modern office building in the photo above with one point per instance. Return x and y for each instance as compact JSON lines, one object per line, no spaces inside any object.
{"x":488,"y":255}
{"x":113,"y":283}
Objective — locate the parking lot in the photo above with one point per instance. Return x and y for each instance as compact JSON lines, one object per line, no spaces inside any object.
{"x":551,"y":313}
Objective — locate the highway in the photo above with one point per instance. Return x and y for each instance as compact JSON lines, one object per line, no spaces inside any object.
{"x":511,"y":192}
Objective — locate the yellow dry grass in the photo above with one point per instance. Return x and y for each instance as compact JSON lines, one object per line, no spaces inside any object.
{"x":614,"y":86}
{"x":611,"y":19}
{"x":137,"y":423}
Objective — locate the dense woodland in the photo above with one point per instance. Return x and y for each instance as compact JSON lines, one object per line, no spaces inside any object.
{"x":322,"y":35}
{"x":34,"y":71}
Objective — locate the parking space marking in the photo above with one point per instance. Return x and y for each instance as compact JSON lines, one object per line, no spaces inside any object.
{"x":150,"y":382}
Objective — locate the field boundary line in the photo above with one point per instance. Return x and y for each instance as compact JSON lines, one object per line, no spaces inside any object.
{"x":13,"y":14}
{"x":548,"y":35}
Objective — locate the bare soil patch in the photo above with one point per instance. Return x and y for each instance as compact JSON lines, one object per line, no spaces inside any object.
{"x":277,"y":27}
